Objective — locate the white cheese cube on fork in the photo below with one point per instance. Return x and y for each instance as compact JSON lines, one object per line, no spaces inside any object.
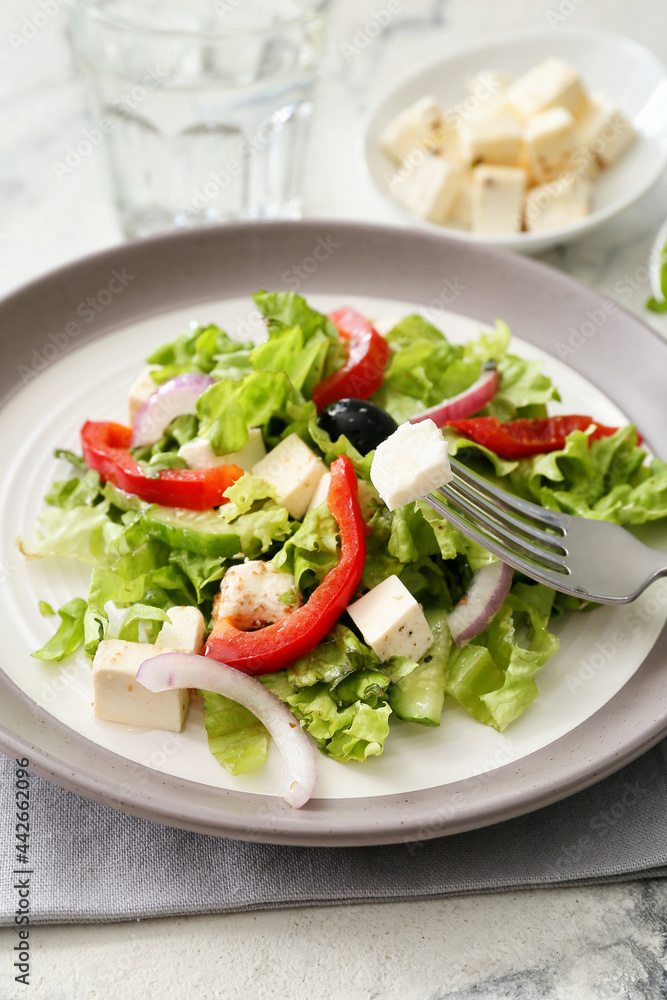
{"x":605,"y":132}
{"x":391,"y":621}
{"x":552,"y":83}
{"x":430,"y":189}
{"x":141,"y":389}
{"x":412,"y":462}
{"x":199,"y":454}
{"x":119,"y":697}
{"x":294,"y":472}
{"x":418,"y":127}
{"x":496,"y":199}
{"x":551,"y":139}
{"x":492,"y":139}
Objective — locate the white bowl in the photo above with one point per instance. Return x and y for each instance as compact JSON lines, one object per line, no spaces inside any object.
{"x":627,"y":72}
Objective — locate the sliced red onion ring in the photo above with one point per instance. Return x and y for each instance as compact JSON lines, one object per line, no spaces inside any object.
{"x":187,"y":670}
{"x":466,"y":403}
{"x":489,"y":588}
{"x":173,"y":398}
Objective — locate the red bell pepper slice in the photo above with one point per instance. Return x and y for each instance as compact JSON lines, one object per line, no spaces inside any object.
{"x":522,"y":438}
{"x":367,"y":356}
{"x":106,"y":449}
{"x":276,"y":646}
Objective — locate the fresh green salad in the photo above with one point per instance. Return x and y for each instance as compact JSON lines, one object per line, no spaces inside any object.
{"x":243,"y":489}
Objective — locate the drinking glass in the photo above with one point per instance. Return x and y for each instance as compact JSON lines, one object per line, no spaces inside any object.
{"x":203,"y":106}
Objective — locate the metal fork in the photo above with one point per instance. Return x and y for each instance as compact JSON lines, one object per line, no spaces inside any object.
{"x":593,"y":560}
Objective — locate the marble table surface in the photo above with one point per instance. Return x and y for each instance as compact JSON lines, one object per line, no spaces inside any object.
{"x":566,"y":944}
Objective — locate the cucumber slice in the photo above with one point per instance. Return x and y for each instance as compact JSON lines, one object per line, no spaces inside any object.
{"x":201,"y":531}
{"x":419,"y":696}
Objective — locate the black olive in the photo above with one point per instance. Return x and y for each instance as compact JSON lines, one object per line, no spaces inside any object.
{"x":362,"y":423}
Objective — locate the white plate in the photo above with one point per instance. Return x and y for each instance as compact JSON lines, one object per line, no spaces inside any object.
{"x":602,"y":699}
{"x":627,"y":72}
{"x":93,"y":384}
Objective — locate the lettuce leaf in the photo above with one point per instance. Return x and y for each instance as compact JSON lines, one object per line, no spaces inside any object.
{"x":603,"y":480}
{"x":425,"y":368}
{"x":312,"y":550}
{"x":69,"y":635}
{"x":236,"y":737}
{"x":493,"y":677}
{"x":81,"y":533}
{"x":338,"y":656}
{"x":206,"y":349}
{"x":345,"y":732}
{"x":341,"y":446}
{"x":255,"y":514}
{"x":288,"y":350}
{"x":229,"y":408}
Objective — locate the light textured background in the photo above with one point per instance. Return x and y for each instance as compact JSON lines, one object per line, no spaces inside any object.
{"x":558,"y":944}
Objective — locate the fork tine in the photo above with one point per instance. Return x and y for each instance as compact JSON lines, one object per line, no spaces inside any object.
{"x":502,"y":534}
{"x":558,"y":581}
{"x":507,"y":520}
{"x":510,"y":503}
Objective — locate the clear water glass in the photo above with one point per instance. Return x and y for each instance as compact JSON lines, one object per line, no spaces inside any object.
{"x":203,"y":106}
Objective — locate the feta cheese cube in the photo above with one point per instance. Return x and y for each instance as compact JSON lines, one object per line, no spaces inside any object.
{"x":413,"y":129}
{"x":605,"y":132}
{"x":391,"y":621}
{"x":460,"y":213}
{"x":250,"y":595}
{"x":119,"y":697}
{"x":321,"y":492}
{"x":551,"y":139}
{"x":496,"y":199}
{"x":184,"y":632}
{"x":430,"y":189}
{"x":560,"y":203}
{"x":199,"y":454}
{"x":141,"y":389}
{"x":411,"y":463}
{"x":294,"y":471}
{"x":494,"y":139}
{"x":552,"y":83}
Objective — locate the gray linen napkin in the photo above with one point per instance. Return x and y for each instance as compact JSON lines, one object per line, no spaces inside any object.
{"x":91,"y":863}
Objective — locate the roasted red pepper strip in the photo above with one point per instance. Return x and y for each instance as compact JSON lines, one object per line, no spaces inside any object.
{"x":276,"y":646}
{"x":367,"y":356}
{"x":523,"y":438}
{"x":106,"y":449}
